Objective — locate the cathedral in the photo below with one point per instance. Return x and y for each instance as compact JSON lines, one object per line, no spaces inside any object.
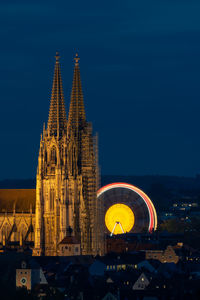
{"x":64,"y":203}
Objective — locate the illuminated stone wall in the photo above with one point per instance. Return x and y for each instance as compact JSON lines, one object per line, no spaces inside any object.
{"x":67,"y":175}
{"x":16,"y":227}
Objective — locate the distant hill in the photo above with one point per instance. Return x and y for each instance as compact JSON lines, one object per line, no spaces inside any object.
{"x":163,"y":190}
{"x":143,"y":182}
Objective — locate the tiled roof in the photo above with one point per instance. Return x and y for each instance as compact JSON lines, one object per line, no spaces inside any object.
{"x":69,"y":240}
{"x":21,"y":199}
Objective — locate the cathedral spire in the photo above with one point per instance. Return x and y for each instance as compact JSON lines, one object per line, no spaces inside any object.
{"x":76,"y":117}
{"x":57,"y":121}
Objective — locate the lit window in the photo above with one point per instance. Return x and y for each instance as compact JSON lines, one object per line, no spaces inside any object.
{"x":53,"y":155}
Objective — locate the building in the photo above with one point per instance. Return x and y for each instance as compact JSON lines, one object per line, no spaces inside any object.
{"x":66,"y":183}
{"x":17,"y":218}
{"x":164,"y":256}
{"x":69,"y":246}
{"x":29,"y":275}
{"x":141,"y":283}
{"x":67,"y":174}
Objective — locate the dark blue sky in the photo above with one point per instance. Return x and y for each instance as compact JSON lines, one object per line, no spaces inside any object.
{"x":140,"y":69}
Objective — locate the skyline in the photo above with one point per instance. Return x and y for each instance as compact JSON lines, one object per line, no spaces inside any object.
{"x":140,"y":72}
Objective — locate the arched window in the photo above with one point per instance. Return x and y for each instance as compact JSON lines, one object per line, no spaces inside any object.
{"x":23,"y":231}
{"x":62,"y":155}
{"x":45,"y":156}
{"x":52,"y":199}
{"x":53,"y":155}
{"x":6,"y":230}
{"x":62,"y":151}
{"x":66,"y":158}
{"x":72,"y":161}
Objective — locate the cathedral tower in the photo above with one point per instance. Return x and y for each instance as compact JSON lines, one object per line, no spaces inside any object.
{"x":67,"y":174}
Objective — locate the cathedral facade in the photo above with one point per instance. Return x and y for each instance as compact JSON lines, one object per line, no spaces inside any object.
{"x":67,"y":174}
{"x":67,"y":178}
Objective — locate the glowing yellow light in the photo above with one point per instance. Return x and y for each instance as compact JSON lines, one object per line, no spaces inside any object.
{"x":119,"y":218}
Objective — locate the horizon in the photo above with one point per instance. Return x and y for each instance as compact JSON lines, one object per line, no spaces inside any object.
{"x":117,"y":175}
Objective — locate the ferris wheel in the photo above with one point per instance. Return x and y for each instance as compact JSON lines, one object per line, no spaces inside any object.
{"x":126,"y":209}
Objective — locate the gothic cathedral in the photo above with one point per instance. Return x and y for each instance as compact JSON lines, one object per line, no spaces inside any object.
{"x":67,"y":175}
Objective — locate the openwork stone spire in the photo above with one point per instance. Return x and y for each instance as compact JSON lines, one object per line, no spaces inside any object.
{"x":76,"y":117}
{"x":57,"y":122}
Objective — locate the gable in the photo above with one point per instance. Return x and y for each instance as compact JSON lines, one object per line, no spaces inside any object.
{"x":109,"y":296}
{"x":109,"y":280}
{"x":141,"y":283}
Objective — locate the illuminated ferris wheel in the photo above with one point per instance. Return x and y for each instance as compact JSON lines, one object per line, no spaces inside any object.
{"x":127,"y":209}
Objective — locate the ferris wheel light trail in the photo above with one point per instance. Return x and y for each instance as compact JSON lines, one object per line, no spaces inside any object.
{"x":147,"y":200}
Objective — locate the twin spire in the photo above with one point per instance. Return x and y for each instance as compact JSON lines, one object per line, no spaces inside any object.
{"x":76,"y":117}
{"x":57,"y":122}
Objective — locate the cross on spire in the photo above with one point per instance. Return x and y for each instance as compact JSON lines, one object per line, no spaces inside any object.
{"x":57,"y":56}
{"x":76,"y":58}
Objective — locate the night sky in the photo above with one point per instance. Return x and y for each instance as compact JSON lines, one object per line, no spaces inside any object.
{"x":140,"y":70}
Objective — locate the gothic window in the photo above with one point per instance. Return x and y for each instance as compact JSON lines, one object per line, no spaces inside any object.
{"x":45,"y":156}
{"x":66,"y":154}
{"x":6,"y":230}
{"x":53,"y":155}
{"x":52,"y":199}
{"x":23,"y":231}
{"x":72,"y":163}
{"x":62,"y":155}
{"x":62,"y":151}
